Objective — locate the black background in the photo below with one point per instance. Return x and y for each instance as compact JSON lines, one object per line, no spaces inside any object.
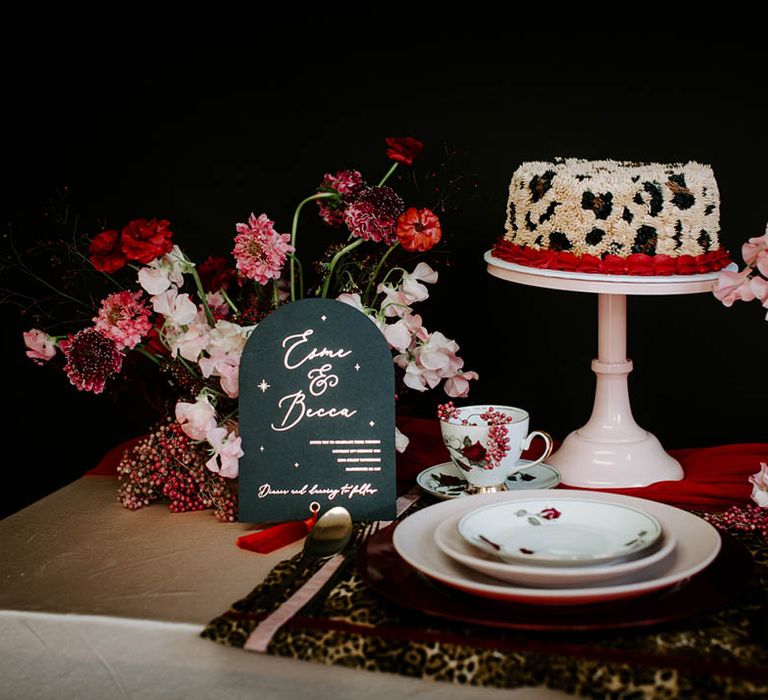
{"x":159,"y":124}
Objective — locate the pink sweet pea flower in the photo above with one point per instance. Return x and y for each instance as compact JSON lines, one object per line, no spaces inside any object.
{"x":411,"y":283}
{"x":227,"y":451}
{"x":196,"y":419}
{"x":759,"y":483}
{"x":41,"y":347}
{"x":457,"y":386}
{"x":226,"y":366}
{"x":401,"y":441}
{"x":191,"y":343}
{"x":755,"y":252}
{"x":179,"y":309}
{"x":164,"y":272}
{"x":732,"y":286}
{"x":395,"y":301}
{"x":397,"y":335}
{"x":759,"y":288}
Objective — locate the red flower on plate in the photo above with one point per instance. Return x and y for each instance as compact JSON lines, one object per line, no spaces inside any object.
{"x":144,"y":240}
{"x":474,"y":451}
{"x":418,"y":230}
{"x":404,"y":149}
{"x":550,"y":514}
{"x":106,"y":254}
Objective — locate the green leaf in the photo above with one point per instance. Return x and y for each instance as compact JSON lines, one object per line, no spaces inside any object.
{"x":533,"y":521}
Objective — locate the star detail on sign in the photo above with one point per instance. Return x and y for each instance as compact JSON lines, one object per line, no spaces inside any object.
{"x":261,"y":449}
{"x":296,"y":465}
{"x":263,"y":385}
{"x":372,"y":423}
{"x":357,"y":367}
{"x":323,"y":317}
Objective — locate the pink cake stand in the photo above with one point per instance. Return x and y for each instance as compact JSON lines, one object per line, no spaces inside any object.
{"x":610,"y":450}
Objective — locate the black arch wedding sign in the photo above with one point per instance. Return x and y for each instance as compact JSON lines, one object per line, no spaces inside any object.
{"x":317,"y":415}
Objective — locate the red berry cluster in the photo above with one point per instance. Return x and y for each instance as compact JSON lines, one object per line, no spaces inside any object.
{"x":168,"y":465}
{"x":498,"y":438}
{"x":749,"y":518}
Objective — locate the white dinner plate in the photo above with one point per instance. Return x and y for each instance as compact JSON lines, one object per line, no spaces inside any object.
{"x":555,"y":531}
{"x":451,"y":543}
{"x":697,"y":545}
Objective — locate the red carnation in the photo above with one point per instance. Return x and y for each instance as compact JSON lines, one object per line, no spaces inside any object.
{"x":373,"y":214}
{"x":144,"y":240}
{"x":418,"y":230}
{"x":106,"y":255}
{"x":404,"y":149}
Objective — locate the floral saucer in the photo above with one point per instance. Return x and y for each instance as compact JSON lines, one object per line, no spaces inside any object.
{"x":444,"y":481}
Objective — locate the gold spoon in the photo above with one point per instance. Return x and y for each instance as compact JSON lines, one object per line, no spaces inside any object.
{"x":329,"y":536}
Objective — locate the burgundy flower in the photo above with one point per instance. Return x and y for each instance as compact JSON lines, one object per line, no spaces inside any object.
{"x":144,"y":240}
{"x":106,"y":254}
{"x":550,"y":514}
{"x":345,"y":184}
{"x":91,"y":359}
{"x":373,"y":213}
{"x":215,"y":273}
{"x":418,"y":230}
{"x":404,"y":149}
{"x":474,"y":452}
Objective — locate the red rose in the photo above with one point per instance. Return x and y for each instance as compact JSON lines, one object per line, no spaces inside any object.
{"x":144,"y":240}
{"x":106,"y":255}
{"x":550,"y":514}
{"x":474,"y":452}
{"x":418,"y":230}
{"x":215,"y":273}
{"x":404,"y":149}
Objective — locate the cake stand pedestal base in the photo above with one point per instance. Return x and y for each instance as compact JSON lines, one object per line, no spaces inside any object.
{"x":610,"y":450}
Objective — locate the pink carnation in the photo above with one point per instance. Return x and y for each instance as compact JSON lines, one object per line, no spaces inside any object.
{"x":40,"y":346}
{"x":124,"y":317}
{"x":260,"y":251}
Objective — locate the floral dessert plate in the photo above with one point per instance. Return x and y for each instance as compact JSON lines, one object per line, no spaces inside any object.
{"x":560,"y":532}
{"x":451,"y":543}
{"x":698,"y":543}
{"x":445,"y":481}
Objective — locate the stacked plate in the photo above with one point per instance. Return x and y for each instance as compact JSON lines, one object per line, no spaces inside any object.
{"x":556,"y":548}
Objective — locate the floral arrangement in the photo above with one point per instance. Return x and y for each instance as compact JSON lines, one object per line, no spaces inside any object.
{"x":191,"y":321}
{"x":750,"y":283}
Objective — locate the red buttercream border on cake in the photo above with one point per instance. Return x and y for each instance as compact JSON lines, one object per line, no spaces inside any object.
{"x":634,"y":264}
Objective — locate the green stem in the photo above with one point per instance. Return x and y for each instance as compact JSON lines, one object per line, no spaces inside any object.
{"x":230,"y":303}
{"x":201,"y":294}
{"x":333,"y":262}
{"x":378,"y":269}
{"x":389,"y":272}
{"x":148,"y":354}
{"x":275,"y":294}
{"x":294,"y":228}
{"x":389,"y":172}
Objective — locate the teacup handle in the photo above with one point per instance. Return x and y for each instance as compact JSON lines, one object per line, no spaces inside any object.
{"x":547,"y":440}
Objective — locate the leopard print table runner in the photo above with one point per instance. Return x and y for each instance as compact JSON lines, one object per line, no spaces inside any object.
{"x":722,"y":654}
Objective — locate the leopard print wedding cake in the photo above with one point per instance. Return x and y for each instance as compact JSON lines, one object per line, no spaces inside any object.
{"x":613,"y":217}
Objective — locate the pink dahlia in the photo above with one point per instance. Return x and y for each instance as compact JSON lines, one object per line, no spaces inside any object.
{"x":124,"y":318}
{"x":373,"y":213}
{"x":260,"y":251}
{"x":345,"y":184}
{"x":92,"y":358}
